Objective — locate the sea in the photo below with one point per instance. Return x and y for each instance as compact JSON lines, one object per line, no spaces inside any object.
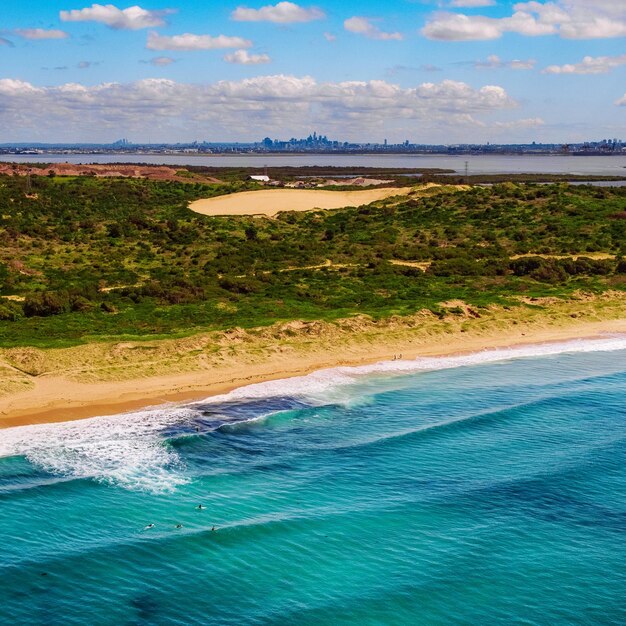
{"x":476,"y":164}
{"x":475,"y":490}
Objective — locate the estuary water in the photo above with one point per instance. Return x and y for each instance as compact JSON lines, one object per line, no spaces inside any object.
{"x":481,"y":489}
{"x":477,"y":164}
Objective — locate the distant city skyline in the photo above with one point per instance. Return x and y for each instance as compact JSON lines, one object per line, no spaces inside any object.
{"x":312,"y":143}
{"x":430,"y":71}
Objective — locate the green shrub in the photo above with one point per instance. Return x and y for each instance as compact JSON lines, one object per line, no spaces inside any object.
{"x":46,"y":303}
{"x":10,"y":311}
{"x":80,"y":304}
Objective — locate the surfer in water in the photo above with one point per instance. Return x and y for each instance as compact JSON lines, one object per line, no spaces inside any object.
{"x":149,"y":526}
{"x":200,"y":507}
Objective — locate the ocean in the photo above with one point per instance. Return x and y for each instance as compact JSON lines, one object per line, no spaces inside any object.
{"x":480,"y":489}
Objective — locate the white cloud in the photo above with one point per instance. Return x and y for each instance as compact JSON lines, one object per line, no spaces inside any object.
{"x":531,"y":122}
{"x":132,"y":18}
{"x":330,"y":37}
{"x":570,"y":19}
{"x":495,"y":62}
{"x":364,"y":26}
{"x":281,"y":13}
{"x":582,"y":19}
{"x":15,"y":87}
{"x":40,"y":33}
{"x":397,"y":69}
{"x":519,"y":64}
{"x":160,"y":61}
{"x":621,"y":102}
{"x":245,"y":58}
{"x":458,"y":27}
{"x":240,"y":110}
{"x":187,"y":41}
{"x":589,"y":65}
{"x":471,"y":4}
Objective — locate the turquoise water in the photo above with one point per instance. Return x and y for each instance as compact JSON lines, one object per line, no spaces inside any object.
{"x":472,"y":490}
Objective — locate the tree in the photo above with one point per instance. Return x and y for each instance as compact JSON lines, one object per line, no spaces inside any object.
{"x":252,"y":232}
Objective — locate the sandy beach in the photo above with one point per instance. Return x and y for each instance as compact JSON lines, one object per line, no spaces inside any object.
{"x":269,"y":202}
{"x":106,"y":378}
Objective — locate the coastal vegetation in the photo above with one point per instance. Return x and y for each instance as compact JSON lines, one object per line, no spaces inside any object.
{"x":85,"y":258}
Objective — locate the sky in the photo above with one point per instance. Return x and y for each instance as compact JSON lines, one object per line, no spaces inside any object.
{"x":430,"y":71}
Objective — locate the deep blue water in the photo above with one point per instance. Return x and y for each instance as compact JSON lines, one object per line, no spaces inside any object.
{"x":456,"y":491}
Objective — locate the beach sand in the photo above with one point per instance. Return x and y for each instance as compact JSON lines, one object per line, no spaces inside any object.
{"x":38,"y":386}
{"x":269,"y":202}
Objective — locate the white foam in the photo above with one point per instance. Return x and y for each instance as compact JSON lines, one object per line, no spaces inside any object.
{"x":127,"y":450}
{"x":317,"y":385}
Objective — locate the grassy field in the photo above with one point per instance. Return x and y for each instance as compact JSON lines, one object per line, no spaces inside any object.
{"x":84,"y":259}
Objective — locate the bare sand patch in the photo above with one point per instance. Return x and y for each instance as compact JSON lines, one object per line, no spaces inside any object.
{"x":269,"y":202}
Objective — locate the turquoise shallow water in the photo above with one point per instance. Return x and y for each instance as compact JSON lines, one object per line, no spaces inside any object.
{"x":475,"y":490}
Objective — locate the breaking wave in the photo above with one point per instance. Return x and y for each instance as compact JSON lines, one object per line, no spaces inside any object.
{"x":133,"y":450}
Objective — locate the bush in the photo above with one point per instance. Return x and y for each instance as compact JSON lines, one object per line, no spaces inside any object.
{"x":46,"y":304}
{"x":526,"y":265}
{"x":549,"y":273}
{"x":10,"y":311}
{"x":81,"y":304}
{"x":460,"y":266}
{"x":239,"y":285}
{"x":4,"y":274}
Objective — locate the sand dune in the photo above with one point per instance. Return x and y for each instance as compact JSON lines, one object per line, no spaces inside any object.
{"x":272,"y":201}
{"x":104,"y":378}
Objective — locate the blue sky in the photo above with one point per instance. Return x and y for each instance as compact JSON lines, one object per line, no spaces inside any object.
{"x":429,"y":71}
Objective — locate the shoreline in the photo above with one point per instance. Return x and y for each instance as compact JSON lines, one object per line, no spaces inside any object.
{"x":54,"y":398}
